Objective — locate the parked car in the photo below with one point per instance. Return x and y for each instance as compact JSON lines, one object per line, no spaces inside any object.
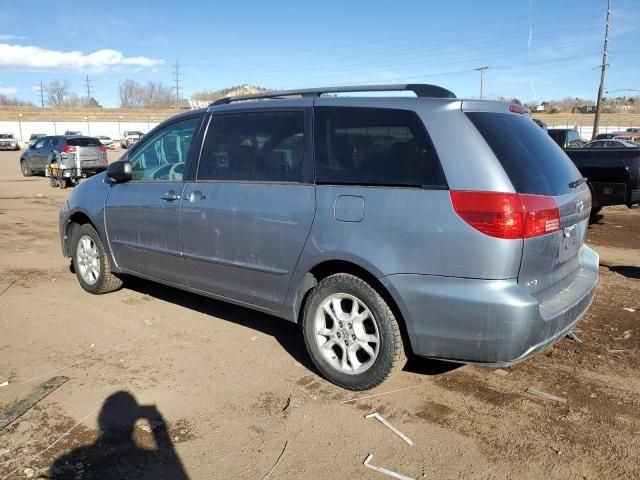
{"x":613,"y":174}
{"x":129,"y":138}
{"x":106,"y":141}
{"x":35,"y":136}
{"x":463,"y":239}
{"x":633,"y":130}
{"x":566,"y":137}
{"x":46,"y":150}
{"x":73,"y":132}
{"x":611,"y":144}
{"x":541,"y":124}
{"x":8,"y":142}
{"x":607,"y":136}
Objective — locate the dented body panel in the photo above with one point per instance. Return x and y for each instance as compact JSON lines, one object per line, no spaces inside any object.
{"x":462,"y":295}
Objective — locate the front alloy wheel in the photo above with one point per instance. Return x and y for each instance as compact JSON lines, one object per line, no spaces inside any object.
{"x":88,"y":260}
{"x":91,"y":262}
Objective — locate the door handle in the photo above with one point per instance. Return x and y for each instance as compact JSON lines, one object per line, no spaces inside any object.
{"x":170,"y":196}
{"x":195,"y":196}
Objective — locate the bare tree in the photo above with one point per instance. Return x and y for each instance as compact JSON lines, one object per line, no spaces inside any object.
{"x":156,"y":95}
{"x":57,"y":93}
{"x":73,"y":100}
{"x":130,"y":94}
{"x":153,"y":94}
{"x":14,"y":102}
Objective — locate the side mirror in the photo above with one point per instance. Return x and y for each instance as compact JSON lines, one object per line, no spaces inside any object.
{"x":120,"y":171}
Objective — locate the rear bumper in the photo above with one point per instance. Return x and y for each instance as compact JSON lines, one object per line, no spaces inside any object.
{"x":489,"y":322}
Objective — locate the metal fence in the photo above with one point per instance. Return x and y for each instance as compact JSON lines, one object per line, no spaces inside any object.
{"x":22,"y":130}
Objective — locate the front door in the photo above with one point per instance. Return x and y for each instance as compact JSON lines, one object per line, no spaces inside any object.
{"x":37,"y":156}
{"x":142,"y":216}
{"x":247,"y":215}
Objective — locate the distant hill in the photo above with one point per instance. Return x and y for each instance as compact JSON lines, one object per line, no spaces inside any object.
{"x":210,"y":96}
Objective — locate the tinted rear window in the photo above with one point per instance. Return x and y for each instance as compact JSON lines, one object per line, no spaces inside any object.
{"x":83,"y":142}
{"x":533,"y":161}
{"x":374,"y":146}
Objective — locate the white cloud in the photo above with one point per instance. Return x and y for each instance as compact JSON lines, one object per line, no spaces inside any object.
{"x":8,"y":90}
{"x":17,"y":56}
{"x":6,"y":38}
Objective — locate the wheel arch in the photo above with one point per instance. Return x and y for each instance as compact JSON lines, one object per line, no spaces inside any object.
{"x":79,"y":218}
{"x":330,"y":267}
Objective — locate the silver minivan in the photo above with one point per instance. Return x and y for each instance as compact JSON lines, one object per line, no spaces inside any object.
{"x":385,"y":226}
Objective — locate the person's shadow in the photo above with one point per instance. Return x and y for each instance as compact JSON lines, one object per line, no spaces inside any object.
{"x":115,"y":454}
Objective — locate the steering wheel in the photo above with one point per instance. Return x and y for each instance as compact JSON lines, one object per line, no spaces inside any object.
{"x":177,"y":172}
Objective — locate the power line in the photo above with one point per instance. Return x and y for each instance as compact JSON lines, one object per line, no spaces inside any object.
{"x":41,"y":94}
{"x":605,"y":54}
{"x":177,"y":81}
{"x":482,"y":71}
{"x":88,"y":84}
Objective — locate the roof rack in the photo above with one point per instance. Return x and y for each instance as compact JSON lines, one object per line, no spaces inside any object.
{"x":420,"y":89}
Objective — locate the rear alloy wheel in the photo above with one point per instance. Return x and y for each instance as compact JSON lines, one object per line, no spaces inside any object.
{"x":91,"y":263}
{"x":351,"y":333}
{"x":24,"y":167}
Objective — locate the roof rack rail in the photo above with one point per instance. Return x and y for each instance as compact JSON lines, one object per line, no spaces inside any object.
{"x":420,"y":89}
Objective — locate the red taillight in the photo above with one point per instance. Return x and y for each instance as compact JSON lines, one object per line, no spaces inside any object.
{"x":69,"y":149}
{"x":517,"y":109}
{"x":103,"y":149}
{"x":507,"y":215}
{"x":542,"y":215}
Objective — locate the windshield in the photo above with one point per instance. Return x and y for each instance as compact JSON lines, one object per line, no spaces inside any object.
{"x":6,"y":135}
{"x":134,"y":133}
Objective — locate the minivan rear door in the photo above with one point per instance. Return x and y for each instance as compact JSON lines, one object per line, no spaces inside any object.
{"x":247,"y":216}
{"x":536,"y":165}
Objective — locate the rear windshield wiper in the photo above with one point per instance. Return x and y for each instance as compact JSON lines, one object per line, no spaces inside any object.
{"x":577,"y":183}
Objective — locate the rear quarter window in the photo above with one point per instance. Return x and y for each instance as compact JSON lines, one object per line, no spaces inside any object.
{"x":374,"y":146}
{"x":534,"y":163}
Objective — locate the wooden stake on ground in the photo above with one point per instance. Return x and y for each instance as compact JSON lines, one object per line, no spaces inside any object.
{"x":17,"y":409}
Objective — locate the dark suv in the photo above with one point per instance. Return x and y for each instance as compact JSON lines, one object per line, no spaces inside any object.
{"x":88,"y":150}
{"x":432,"y":226}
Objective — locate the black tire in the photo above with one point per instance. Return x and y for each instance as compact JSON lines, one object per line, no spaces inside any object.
{"x":63,"y":183}
{"x":106,"y":281}
{"x":26,"y":170}
{"x":595,"y":211}
{"x":391,"y":356}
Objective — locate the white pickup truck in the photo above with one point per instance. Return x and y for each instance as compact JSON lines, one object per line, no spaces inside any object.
{"x":8,"y":142}
{"x":129,"y":137}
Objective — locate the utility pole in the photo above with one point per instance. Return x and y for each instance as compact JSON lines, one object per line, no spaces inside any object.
{"x":41,"y":94}
{"x":88,"y":83}
{"x":177,"y":80}
{"x":482,"y":71}
{"x":605,"y":56}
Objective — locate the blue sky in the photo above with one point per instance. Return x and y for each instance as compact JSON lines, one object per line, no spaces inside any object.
{"x":537,"y":49}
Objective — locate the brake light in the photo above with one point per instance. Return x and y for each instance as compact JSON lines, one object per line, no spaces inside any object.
{"x":517,"y":109}
{"x":69,"y":149}
{"x":507,"y":215}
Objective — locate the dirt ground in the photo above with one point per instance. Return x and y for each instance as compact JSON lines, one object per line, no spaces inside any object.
{"x":208,"y":390}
